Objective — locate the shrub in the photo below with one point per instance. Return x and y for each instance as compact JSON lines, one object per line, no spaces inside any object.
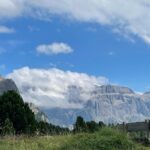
{"x":104,"y":139}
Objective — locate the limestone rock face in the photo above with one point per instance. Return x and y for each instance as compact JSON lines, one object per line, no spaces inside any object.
{"x":7,"y":85}
{"x":108,"y":103}
{"x":39,"y":115}
{"x":109,"y":89}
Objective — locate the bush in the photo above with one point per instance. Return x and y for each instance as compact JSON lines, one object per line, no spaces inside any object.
{"x":104,"y":139}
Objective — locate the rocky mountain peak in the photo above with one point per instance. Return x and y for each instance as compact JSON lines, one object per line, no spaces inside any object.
{"x":147,"y":93}
{"x":110,"y":89}
{"x":7,"y":85}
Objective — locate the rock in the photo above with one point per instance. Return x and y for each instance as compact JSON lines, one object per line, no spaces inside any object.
{"x":39,"y":115}
{"x":7,"y":85}
{"x":108,"y":103}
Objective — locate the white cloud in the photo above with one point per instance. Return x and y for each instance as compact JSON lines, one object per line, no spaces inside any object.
{"x":130,"y":16}
{"x":4,"y":29}
{"x":11,"y":8}
{"x":54,"y":49}
{"x":49,"y":88}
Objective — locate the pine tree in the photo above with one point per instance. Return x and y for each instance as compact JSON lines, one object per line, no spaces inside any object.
{"x":13,"y":107}
{"x":80,"y":125}
{"x":8,"y":128}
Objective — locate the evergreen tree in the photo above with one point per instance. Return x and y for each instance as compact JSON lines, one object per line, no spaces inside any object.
{"x":101,"y":124}
{"x":8,"y":128}
{"x":92,"y":126}
{"x":80,"y":125}
{"x":18,"y":112}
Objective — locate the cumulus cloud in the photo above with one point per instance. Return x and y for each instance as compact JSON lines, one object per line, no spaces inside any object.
{"x":54,"y":49}
{"x":49,"y":88}
{"x":4,"y":29}
{"x":130,"y":16}
{"x":11,"y":8}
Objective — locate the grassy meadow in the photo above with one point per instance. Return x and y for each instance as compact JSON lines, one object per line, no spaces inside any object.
{"x":105,"y":139}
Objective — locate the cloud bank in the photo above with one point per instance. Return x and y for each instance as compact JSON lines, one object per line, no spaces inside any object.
{"x":128,"y":17}
{"x":54,"y":49}
{"x":49,"y":88}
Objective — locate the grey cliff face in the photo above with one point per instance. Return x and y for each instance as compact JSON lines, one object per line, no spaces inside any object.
{"x":147,"y":93}
{"x":39,"y":115}
{"x":108,"y":103}
{"x":113,"y":89}
{"x":7,"y":85}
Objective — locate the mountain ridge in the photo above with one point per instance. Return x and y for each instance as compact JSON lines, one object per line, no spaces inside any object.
{"x":107,"y":103}
{"x":9,"y":85}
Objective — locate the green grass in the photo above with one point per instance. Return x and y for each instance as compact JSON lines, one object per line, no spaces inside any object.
{"x":105,"y":139}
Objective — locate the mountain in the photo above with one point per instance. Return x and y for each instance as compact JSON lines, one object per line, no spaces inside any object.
{"x":9,"y":85}
{"x":107,"y":103}
{"x":39,"y":115}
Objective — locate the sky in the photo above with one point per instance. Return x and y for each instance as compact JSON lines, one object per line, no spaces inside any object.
{"x":60,"y":41}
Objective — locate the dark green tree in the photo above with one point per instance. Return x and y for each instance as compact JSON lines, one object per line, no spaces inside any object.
{"x":92,"y":126}
{"x":18,"y":112}
{"x":101,"y":124}
{"x":8,"y":128}
{"x":44,"y":128}
{"x":80,"y":125}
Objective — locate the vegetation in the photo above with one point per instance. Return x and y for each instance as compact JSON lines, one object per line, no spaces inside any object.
{"x":82,"y":126}
{"x":17,"y":118}
{"x":8,"y":128}
{"x":17,"y":124}
{"x":104,"y":139}
{"x":44,"y":128}
{"x":17,"y":113}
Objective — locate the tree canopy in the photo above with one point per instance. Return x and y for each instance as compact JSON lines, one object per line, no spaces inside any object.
{"x":13,"y":108}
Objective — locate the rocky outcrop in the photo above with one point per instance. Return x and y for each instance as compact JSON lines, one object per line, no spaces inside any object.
{"x":108,"y":103}
{"x":39,"y":115}
{"x":109,"y":89}
{"x":7,"y":85}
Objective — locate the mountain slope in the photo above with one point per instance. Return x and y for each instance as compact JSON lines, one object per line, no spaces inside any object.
{"x":9,"y":85}
{"x":39,"y":115}
{"x":108,"y":103}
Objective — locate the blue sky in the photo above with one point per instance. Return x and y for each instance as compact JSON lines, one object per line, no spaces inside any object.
{"x":97,"y":49}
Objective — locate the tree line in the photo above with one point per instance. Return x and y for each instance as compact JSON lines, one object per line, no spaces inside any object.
{"x":17,"y":118}
{"x":83,"y":126}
